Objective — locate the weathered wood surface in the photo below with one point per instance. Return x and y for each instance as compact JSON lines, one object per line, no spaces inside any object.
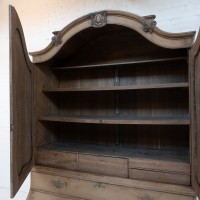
{"x":90,"y":186}
{"x":21,"y":99}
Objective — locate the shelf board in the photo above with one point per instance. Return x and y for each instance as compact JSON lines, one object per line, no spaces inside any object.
{"x":122,"y":63}
{"x":116,"y":120}
{"x":118,"y":88}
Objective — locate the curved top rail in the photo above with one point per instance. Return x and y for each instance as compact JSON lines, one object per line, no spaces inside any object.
{"x":146,"y":26}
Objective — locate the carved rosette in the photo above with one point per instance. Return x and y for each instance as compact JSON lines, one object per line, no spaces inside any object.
{"x":56,"y":39}
{"x":149,"y":23}
{"x":98,"y":19}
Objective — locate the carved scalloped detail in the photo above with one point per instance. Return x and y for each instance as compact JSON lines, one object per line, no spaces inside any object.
{"x":146,"y":26}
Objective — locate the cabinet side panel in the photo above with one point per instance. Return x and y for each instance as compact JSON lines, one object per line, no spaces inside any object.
{"x":45,"y":104}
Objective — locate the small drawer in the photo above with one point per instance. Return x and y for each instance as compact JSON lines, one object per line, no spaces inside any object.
{"x":159,"y":165}
{"x":158,"y":176}
{"x":64,"y":160}
{"x":103,"y":165}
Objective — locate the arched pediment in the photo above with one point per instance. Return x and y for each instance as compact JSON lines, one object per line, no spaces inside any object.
{"x":146,"y":26}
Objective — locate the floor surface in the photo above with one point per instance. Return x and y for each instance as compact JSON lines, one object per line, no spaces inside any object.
{"x":5,"y":194}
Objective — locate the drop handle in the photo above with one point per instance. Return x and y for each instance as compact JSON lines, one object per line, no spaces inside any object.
{"x":99,"y":185}
{"x":145,"y":197}
{"x":59,"y":184}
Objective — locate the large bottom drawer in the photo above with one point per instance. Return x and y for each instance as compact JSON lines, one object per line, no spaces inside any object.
{"x":96,"y":187}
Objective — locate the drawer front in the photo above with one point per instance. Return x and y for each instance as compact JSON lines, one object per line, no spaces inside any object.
{"x":159,"y":176}
{"x":87,"y":189}
{"x":35,"y":195}
{"x":103,"y":165}
{"x":65,"y":160}
{"x":159,"y":165}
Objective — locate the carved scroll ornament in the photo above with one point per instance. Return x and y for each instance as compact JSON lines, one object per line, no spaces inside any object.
{"x":149,"y":23}
{"x":56,"y":39}
{"x":98,"y":19}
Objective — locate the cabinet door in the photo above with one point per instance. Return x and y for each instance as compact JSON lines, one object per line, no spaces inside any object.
{"x":20,"y":105}
{"x":195,"y":113}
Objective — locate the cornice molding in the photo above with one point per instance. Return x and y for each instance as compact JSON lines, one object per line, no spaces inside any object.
{"x":146,"y":26}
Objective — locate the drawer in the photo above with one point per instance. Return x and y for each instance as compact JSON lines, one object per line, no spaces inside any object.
{"x":35,"y":195}
{"x":159,"y":165}
{"x":93,"y":189}
{"x":64,"y":160}
{"x":103,"y":165}
{"x":159,"y":176}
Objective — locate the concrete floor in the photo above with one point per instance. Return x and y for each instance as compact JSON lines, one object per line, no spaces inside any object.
{"x":5,"y":194}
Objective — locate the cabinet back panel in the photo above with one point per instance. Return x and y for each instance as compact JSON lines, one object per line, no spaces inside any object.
{"x":151,"y":73}
{"x":87,"y":78}
{"x":97,"y":104}
{"x":88,"y":133}
{"x":173,"y":72}
{"x":141,"y":136}
{"x":151,"y":136}
{"x":140,"y":103}
{"x":154,"y":103}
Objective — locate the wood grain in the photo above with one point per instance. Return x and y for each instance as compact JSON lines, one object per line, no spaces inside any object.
{"x":21,"y":102}
{"x":91,"y":186}
{"x":160,"y":165}
{"x":158,"y":176}
{"x":39,"y":195}
{"x":129,"y":87}
{"x":103,"y":165}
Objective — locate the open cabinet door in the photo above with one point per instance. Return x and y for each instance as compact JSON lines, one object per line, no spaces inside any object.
{"x":21,"y":137}
{"x":195,"y":94}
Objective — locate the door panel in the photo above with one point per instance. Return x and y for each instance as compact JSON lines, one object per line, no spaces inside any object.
{"x":20,"y":105}
{"x":195,"y":113}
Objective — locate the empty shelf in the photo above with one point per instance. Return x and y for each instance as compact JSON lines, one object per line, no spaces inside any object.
{"x":118,"y":88}
{"x":122,"y":63}
{"x":117,"y":120}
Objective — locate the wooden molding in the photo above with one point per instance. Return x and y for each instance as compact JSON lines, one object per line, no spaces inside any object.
{"x":146,"y":26}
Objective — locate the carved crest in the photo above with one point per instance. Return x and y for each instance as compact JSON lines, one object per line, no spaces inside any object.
{"x":149,"y":23}
{"x":56,"y":39}
{"x":98,"y":19}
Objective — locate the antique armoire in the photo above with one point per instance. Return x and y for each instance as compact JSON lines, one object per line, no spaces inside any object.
{"x":109,"y":110}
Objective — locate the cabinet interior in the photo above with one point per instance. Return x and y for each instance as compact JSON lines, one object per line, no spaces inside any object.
{"x":111,"y":94}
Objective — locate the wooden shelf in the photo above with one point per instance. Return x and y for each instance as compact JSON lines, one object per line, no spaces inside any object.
{"x":122,"y":63}
{"x":117,"y":120}
{"x":118,"y":88}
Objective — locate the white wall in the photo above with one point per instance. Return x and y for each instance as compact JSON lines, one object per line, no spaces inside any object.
{"x":40,"y":18}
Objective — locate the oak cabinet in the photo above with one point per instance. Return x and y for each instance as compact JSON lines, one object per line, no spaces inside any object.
{"x":109,"y":110}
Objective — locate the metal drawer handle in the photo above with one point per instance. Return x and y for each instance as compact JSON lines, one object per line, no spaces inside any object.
{"x":59,"y":184}
{"x":99,"y":185}
{"x":145,"y":197}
